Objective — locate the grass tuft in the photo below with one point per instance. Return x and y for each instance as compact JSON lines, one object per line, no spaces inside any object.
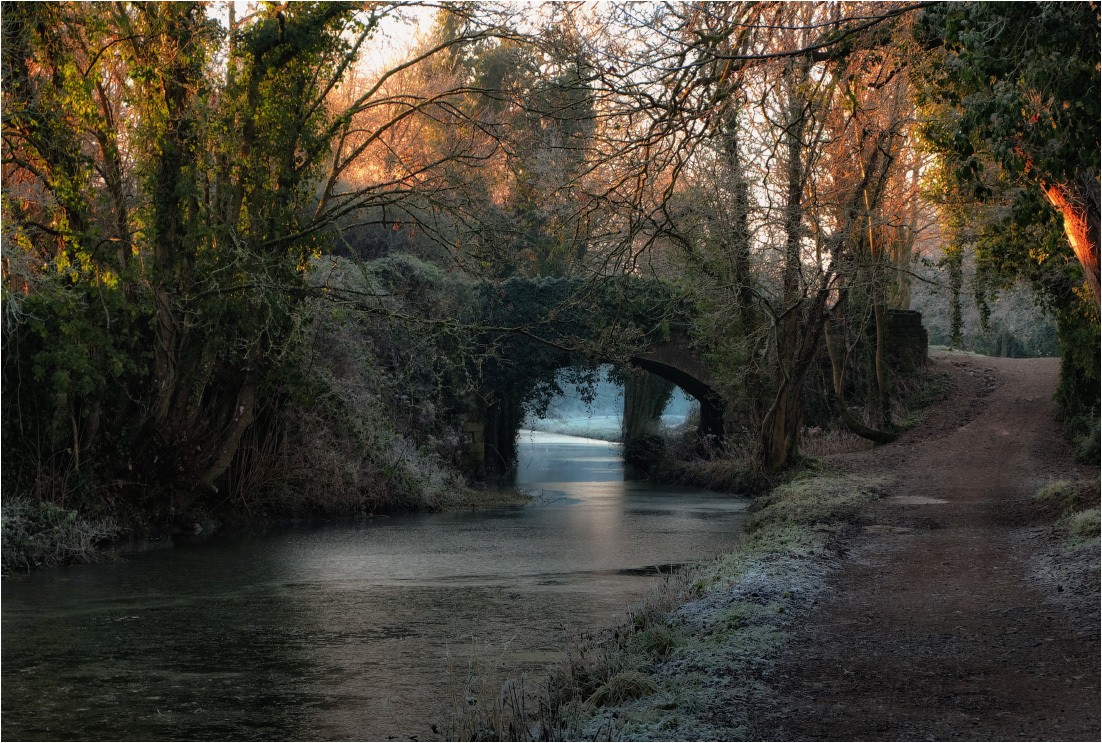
{"x":1075,"y":508}
{"x":623,"y":687}
{"x":1083,"y":526}
{"x":812,"y":501}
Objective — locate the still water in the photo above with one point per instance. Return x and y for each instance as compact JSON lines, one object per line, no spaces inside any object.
{"x":366,"y":632}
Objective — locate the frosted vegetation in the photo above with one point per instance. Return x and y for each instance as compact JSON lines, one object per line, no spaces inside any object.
{"x":696,"y":646}
{"x":598,"y":412}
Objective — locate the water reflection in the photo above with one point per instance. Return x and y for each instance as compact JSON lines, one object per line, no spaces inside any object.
{"x":344,"y":632}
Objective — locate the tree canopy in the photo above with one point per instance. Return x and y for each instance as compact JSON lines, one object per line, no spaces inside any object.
{"x":178,"y":178}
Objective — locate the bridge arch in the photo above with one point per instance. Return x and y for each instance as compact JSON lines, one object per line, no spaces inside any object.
{"x":675,"y":359}
{"x":492,"y":444}
{"x":711,"y":406}
{"x":552,"y":315}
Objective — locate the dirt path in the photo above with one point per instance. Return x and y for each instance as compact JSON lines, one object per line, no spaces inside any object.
{"x":939,"y":627}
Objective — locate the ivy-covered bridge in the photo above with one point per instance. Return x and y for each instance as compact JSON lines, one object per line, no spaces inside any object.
{"x":537,"y":327}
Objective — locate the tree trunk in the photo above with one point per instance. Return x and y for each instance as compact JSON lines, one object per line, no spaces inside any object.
{"x":165,"y":341}
{"x":778,"y":434}
{"x":778,"y":438}
{"x":243,"y":414}
{"x":736,"y":243}
{"x":1078,"y":205}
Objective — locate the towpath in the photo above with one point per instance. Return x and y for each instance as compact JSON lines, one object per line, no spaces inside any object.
{"x":953,"y":617}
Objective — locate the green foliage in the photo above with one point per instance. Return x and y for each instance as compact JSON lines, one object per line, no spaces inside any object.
{"x":1080,"y":378}
{"x":1014,"y":82}
{"x":160,"y":216}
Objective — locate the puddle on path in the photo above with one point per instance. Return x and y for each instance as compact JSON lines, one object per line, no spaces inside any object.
{"x":886,"y":529}
{"x":914,"y":500}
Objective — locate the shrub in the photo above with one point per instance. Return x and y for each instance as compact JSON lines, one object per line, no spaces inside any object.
{"x":36,"y":533}
{"x":367,"y":423}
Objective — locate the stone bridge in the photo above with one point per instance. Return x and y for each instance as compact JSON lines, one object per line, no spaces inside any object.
{"x":677,"y":361}
{"x":549,"y":305}
{"x":672,"y":359}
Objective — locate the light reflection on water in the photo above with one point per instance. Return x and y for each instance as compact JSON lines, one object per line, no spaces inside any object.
{"x":345,"y":631}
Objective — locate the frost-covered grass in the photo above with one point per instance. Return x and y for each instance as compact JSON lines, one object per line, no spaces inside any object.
{"x":686,"y":664}
{"x":1083,"y":526}
{"x":949,"y":350}
{"x":39,"y":534}
{"x":1075,"y":507}
{"x":600,"y":427}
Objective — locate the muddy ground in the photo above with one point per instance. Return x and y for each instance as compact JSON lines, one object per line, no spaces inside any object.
{"x":955,"y":615}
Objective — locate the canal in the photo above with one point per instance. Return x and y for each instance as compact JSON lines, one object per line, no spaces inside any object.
{"x":363,"y":631}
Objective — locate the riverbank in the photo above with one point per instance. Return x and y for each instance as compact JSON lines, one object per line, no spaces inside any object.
{"x":835,"y":619}
{"x":37,"y":535}
{"x":700,"y":644}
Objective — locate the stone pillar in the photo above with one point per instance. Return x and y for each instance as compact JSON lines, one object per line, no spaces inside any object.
{"x":908,"y":343}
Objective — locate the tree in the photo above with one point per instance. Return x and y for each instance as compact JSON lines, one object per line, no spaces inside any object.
{"x":792,"y":162}
{"x":1017,"y":85}
{"x":168,"y":182}
{"x":1009,"y":96}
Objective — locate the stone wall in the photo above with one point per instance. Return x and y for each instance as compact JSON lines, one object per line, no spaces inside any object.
{"x":908,"y":342}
